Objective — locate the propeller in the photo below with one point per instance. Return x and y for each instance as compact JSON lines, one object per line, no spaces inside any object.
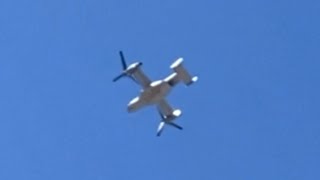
{"x":123,"y":61}
{"x":119,"y":77}
{"x":124,"y":70}
{"x":175,"y":125}
{"x":160,"y":128}
{"x":163,"y":122}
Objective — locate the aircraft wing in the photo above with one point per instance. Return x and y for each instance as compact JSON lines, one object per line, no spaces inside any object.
{"x":165,"y":108}
{"x":143,"y":80}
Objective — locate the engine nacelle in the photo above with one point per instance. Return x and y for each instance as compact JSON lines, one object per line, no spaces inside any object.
{"x":133,"y":67}
{"x":182,"y":73}
{"x":175,"y":114}
{"x":168,"y":119}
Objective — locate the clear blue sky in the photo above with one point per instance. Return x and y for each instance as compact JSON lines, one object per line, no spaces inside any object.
{"x":254,"y":114}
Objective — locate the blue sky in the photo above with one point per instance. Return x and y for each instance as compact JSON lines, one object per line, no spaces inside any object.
{"x":254,"y":114}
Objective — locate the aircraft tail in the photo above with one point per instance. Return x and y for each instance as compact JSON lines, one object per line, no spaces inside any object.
{"x":182,"y":72}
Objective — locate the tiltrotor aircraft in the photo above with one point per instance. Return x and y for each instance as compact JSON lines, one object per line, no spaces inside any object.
{"x":155,"y":92}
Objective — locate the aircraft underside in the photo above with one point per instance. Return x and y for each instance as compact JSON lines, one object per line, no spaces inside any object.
{"x":155,"y":92}
{"x":150,"y":96}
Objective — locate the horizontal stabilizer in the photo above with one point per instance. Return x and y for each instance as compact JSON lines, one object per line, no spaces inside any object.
{"x":182,"y":72}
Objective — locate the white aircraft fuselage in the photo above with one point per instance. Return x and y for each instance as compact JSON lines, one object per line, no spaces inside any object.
{"x":157,"y":91}
{"x":153,"y":92}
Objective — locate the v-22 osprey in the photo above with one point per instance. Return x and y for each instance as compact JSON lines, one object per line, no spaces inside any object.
{"x":155,"y":92}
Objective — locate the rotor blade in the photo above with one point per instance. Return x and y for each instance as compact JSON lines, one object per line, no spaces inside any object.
{"x":175,"y":125}
{"x":118,"y":77}
{"x":133,"y":79}
{"x":123,"y":61}
{"x":160,"y":128}
{"x":160,"y":114}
